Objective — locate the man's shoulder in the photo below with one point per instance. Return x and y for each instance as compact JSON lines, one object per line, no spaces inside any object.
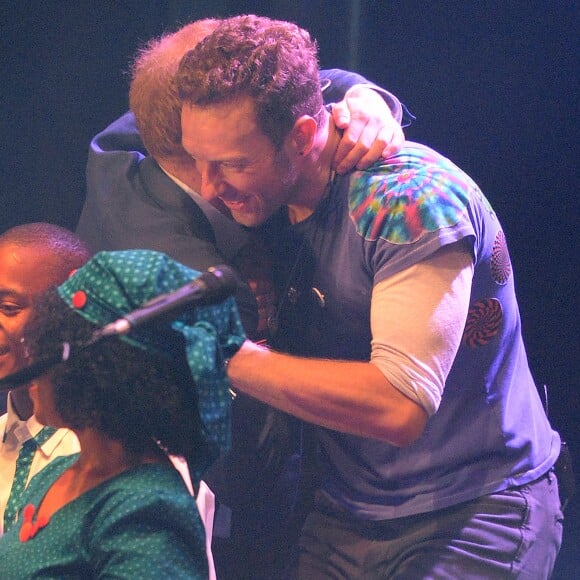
{"x":413,"y":192}
{"x":413,"y":159}
{"x":121,"y":135}
{"x":124,"y":124}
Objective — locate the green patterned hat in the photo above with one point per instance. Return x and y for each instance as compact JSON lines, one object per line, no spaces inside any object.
{"x":112,"y":284}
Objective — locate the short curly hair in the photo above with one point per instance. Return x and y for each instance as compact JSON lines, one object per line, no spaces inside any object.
{"x":61,"y":249}
{"x":272,"y":61}
{"x":128,"y":393}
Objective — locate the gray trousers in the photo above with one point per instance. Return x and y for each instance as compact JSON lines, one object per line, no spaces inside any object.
{"x":515,"y":533}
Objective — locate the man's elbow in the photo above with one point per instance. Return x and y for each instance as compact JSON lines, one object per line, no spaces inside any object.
{"x":404,"y":429}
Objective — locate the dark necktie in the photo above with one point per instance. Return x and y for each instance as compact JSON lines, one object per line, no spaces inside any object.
{"x":23,"y":464}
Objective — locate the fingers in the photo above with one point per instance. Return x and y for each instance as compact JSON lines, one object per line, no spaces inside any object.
{"x":396,"y":142}
{"x":364,"y":143}
{"x":341,"y":114}
{"x":265,"y":298}
{"x":266,"y":310}
{"x":369,"y":130}
{"x":388,"y":141}
{"x":360,"y":146}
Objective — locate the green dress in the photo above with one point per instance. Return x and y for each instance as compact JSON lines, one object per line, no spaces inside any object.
{"x":141,"y":523}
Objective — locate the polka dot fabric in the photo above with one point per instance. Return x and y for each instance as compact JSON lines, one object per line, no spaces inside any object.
{"x":140,"y":524}
{"x":116,"y":283}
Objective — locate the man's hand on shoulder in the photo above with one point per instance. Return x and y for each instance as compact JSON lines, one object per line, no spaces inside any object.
{"x":369,"y":130}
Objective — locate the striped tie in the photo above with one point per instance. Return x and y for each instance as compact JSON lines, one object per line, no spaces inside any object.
{"x":23,"y":464}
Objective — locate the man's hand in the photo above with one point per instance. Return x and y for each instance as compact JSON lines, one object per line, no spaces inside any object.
{"x":254,"y":264}
{"x":263,"y":291}
{"x":370,"y":131}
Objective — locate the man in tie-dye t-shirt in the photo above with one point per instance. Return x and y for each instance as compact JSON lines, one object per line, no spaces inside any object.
{"x":399,"y":322}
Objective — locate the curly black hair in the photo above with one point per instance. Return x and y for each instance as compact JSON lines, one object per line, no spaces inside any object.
{"x":129,"y":393}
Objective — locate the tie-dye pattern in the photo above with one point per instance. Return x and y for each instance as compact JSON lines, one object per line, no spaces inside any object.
{"x":412,"y":195}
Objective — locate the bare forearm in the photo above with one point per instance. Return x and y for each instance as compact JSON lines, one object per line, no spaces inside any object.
{"x":351,"y":397}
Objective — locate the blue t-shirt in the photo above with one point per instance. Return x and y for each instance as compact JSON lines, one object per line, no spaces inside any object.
{"x":490,"y":430}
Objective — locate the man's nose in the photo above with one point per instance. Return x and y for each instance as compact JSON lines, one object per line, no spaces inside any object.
{"x":211,"y":180}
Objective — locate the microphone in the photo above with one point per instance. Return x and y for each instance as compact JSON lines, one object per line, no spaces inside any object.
{"x":25,"y":375}
{"x":213,"y":286}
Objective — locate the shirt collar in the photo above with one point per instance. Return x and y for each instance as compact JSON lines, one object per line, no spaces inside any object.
{"x":17,"y":431}
{"x":180,"y":183}
{"x":17,"y":428}
{"x":50,"y":445}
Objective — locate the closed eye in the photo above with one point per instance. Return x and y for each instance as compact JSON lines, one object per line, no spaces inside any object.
{"x":10,"y":308}
{"x":234,"y":165}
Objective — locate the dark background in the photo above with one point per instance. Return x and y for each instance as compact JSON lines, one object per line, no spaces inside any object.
{"x":494,"y":86}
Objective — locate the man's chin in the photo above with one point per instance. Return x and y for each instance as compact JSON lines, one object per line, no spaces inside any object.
{"x":7,"y":367}
{"x":221,"y":207}
{"x":250,"y":220}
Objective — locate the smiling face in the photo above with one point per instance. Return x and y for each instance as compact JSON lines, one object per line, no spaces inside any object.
{"x":237,"y":162}
{"x":24,"y":275}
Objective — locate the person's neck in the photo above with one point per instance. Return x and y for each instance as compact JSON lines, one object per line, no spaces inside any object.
{"x":102,"y":457}
{"x":21,"y":403}
{"x":316,"y":184}
{"x":182,"y":168}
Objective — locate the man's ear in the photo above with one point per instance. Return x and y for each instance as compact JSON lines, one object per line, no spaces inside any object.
{"x":303,"y":134}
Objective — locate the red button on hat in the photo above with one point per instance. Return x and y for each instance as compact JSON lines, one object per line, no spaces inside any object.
{"x":79,"y":299}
